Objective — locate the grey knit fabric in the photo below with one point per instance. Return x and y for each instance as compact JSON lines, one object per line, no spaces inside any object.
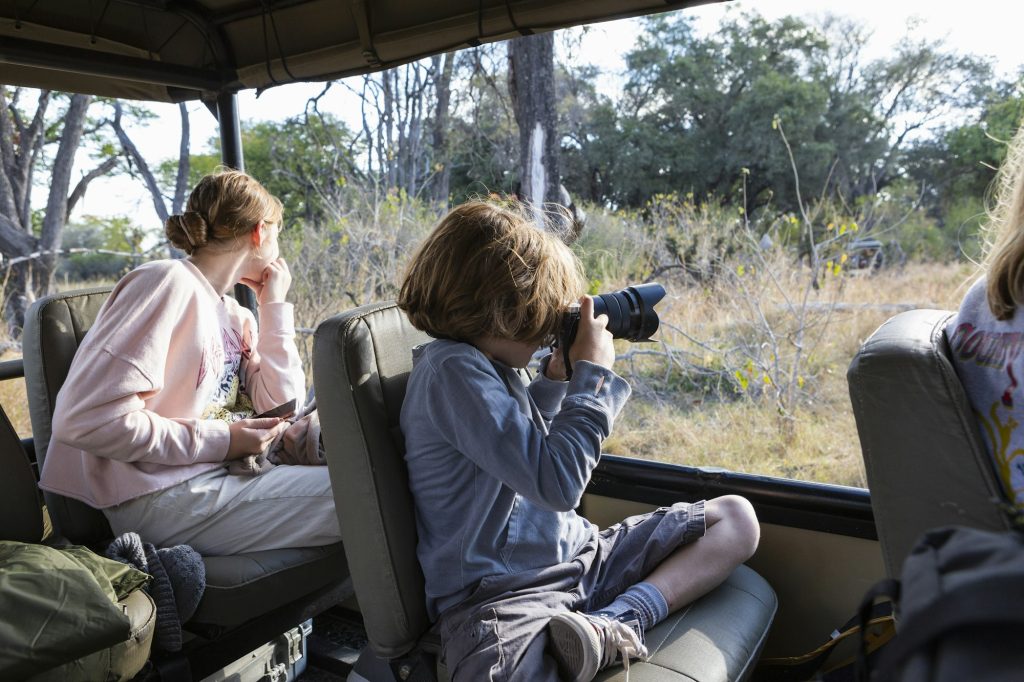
{"x":179,"y":579}
{"x":187,"y":573}
{"x":167,"y":635}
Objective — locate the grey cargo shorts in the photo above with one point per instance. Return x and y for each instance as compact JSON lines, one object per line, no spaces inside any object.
{"x":499,"y":632}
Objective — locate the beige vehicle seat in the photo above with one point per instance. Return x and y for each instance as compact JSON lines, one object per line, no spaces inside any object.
{"x":926,"y":463}
{"x":282,"y":584}
{"x":361,"y":363}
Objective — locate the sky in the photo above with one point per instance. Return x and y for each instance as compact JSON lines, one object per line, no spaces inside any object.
{"x":981,"y":27}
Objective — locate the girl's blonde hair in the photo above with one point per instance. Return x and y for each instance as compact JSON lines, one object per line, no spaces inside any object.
{"x":1004,"y":259}
{"x":486,"y":270}
{"x":224,"y":205}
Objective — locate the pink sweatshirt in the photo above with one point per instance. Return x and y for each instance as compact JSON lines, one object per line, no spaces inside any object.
{"x":143,"y":405}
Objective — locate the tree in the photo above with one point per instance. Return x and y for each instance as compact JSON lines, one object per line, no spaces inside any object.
{"x":405,"y":122}
{"x":443,"y":67}
{"x":483,"y":147}
{"x":962,"y":161}
{"x":697,"y":110}
{"x":307,"y":161}
{"x":33,"y":235}
{"x":532,"y":87}
{"x":880,"y":110}
{"x":165,"y":205}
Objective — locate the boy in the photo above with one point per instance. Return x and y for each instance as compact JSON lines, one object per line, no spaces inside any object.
{"x":522,"y":587}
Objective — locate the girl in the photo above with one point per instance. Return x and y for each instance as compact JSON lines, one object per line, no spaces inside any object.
{"x":987,"y":335}
{"x":162,"y":393}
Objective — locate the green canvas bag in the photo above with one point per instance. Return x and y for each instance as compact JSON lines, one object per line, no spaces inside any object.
{"x":71,"y":614}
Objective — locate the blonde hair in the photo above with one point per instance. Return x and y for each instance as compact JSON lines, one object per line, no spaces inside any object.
{"x":223,"y":206}
{"x":486,"y":270}
{"x":1004,"y":259}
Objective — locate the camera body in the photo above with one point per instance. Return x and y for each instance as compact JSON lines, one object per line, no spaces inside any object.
{"x":630,"y":312}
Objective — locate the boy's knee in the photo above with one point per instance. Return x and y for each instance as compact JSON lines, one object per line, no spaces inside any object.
{"x":741,"y":521}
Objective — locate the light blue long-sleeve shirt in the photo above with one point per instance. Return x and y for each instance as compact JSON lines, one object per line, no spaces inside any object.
{"x":495,"y":467}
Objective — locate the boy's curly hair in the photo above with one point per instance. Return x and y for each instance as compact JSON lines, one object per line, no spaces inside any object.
{"x":486,"y":270}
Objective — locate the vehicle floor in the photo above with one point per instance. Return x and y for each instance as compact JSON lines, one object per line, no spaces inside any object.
{"x":334,"y":645}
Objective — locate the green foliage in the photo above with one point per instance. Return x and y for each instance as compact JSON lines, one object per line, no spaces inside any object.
{"x":614,"y":248}
{"x":958,"y":167}
{"x":698,"y":109}
{"x":306,"y":161}
{"x":483,"y":141}
{"x":199,"y":165}
{"x":110,"y":233}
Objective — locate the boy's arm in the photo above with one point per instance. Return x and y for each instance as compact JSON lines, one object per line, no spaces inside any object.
{"x":547,"y":393}
{"x":472,"y":409}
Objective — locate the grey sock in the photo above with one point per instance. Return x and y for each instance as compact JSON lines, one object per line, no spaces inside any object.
{"x":644,"y":601}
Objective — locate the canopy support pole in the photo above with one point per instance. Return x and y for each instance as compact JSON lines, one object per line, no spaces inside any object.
{"x":231,"y":156}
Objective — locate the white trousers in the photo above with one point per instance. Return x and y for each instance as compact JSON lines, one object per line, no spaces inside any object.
{"x":220,"y":514}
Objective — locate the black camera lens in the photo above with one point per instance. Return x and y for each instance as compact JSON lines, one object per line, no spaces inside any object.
{"x":630,"y":311}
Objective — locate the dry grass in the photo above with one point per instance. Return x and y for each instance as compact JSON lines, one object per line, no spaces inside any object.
{"x":816,"y":438}
{"x":14,"y":401}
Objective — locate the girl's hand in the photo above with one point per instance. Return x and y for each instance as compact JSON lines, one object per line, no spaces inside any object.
{"x":593,"y":340}
{"x":253,"y":436}
{"x":273,"y":284}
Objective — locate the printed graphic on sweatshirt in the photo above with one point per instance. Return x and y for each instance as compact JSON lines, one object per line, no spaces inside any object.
{"x":997,"y":351}
{"x":1010,"y":463}
{"x":223,"y":360}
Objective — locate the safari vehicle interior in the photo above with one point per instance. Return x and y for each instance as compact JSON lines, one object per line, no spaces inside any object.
{"x":821,"y":547}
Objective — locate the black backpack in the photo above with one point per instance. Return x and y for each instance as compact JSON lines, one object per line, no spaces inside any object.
{"x":959,"y":610}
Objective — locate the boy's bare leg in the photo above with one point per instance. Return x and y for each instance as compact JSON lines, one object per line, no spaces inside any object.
{"x":697,"y":568}
{"x":579,"y":641}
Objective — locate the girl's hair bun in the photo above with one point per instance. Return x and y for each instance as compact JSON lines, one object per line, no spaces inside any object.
{"x":187,"y":231}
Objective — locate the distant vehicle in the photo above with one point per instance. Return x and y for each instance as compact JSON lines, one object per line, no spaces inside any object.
{"x":866,"y":254}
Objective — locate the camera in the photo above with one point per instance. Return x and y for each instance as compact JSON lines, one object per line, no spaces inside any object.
{"x":630,"y":312}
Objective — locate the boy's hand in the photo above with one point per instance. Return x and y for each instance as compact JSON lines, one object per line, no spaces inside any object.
{"x":253,"y":436}
{"x":273,"y":284}
{"x":593,"y":340}
{"x":556,"y":366}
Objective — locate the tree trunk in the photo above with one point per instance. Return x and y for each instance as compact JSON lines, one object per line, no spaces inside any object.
{"x":532,"y":85}
{"x":443,"y":67}
{"x":180,"y":179}
{"x":184,"y":157}
{"x":387,"y":155}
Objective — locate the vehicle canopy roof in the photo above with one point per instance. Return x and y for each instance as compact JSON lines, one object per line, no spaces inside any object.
{"x":176,"y":50}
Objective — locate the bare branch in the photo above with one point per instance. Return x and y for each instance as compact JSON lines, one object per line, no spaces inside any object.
{"x":132,"y":152}
{"x":79,"y":191}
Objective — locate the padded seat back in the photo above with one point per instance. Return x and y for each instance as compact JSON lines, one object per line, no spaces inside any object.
{"x":925,"y":461}
{"x":54,"y":328}
{"x":361,"y":364}
{"x":21,"y":514}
